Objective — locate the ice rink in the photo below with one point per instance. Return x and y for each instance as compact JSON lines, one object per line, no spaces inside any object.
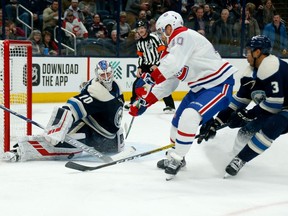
{"x":138,"y":187}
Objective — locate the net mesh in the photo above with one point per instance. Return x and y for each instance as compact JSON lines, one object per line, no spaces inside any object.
{"x":18,"y":91}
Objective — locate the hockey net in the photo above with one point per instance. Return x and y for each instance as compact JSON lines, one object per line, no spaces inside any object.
{"x":15,"y":90}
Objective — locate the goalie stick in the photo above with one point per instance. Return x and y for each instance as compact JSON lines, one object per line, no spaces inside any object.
{"x":90,"y":150}
{"x":80,"y":167}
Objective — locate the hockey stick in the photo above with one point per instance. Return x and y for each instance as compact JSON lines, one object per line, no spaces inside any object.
{"x":80,"y":167}
{"x":90,"y":150}
{"x":130,"y":125}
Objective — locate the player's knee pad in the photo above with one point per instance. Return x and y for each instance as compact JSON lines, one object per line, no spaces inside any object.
{"x":186,"y":131}
{"x":190,"y":119}
{"x":37,"y":148}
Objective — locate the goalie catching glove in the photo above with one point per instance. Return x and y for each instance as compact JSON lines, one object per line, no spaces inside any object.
{"x":58,"y":125}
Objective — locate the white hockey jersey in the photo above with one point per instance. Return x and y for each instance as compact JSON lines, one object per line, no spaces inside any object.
{"x":76,"y":27}
{"x":190,"y":58}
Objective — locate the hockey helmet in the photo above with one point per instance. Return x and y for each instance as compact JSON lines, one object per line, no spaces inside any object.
{"x":261,"y":42}
{"x":104,"y":73}
{"x":140,"y":24}
{"x":169,"y":18}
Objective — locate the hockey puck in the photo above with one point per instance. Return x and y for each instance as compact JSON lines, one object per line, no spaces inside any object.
{"x":71,"y":156}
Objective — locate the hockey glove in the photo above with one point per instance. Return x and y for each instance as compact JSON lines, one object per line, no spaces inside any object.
{"x":138,"y":107}
{"x":208,"y":130}
{"x":141,"y":104}
{"x":224,"y":115}
{"x":240,"y":118}
{"x":144,"y":85}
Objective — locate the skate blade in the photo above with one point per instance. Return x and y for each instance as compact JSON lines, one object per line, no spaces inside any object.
{"x":226,"y":175}
{"x":169,"y":177}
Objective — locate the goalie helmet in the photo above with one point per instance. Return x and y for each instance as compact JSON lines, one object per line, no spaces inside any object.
{"x":169,"y":18}
{"x":104,"y":73}
{"x":261,"y":42}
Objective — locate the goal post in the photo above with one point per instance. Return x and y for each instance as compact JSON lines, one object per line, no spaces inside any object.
{"x":15,"y":90}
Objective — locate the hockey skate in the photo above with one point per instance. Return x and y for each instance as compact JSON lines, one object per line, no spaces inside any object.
{"x":234,"y":167}
{"x":163,"y":164}
{"x":174,"y":165}
{"x":10,"y":156}
{"x":169,"y":110}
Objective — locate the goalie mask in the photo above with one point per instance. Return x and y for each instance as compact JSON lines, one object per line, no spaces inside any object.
{"x":104,"y":73}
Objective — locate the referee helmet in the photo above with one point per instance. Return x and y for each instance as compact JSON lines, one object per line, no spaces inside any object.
{"x":140,"y":24}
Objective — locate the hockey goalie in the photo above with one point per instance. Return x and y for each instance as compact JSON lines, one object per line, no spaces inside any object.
{"x":93,"y":117}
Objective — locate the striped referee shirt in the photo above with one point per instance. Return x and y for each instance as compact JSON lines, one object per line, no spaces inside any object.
{"x":149,"y":49}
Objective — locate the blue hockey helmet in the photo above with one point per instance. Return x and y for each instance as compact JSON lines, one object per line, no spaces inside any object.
{"x":261,"y":42}
{"x":104,"y":73}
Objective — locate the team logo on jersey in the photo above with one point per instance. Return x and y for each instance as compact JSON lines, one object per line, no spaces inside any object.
{"x":117,"y":69}
{"x":258,"y":96}
{"x":35,"y":74}
{"x":182,"y":74}
{"x":118,"y":117}
{"x":149,"y":46}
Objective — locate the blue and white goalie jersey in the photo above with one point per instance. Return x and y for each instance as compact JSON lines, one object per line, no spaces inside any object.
{"x":99,"y":108}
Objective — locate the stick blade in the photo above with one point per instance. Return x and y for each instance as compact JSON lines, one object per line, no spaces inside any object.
{"x":77,"y":166}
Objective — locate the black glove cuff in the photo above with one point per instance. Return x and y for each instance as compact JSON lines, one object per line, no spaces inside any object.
{"x":224,"y":115}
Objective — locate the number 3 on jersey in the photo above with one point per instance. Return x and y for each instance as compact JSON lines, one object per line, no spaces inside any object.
{"x":275,"y":87}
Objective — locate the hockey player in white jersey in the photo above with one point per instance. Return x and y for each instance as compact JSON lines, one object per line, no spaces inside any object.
{"x":93,"y":117}
{"x":189,"y":58}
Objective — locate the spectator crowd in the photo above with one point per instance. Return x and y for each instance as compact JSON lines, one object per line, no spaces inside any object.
{"x":95,"y":27}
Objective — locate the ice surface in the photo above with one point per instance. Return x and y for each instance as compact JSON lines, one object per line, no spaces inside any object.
{"x":138,"y":188}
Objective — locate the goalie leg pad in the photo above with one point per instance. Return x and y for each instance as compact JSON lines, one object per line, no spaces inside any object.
{"x":37,"y":148}
{"x":120,"y":140}
{"x":58,"y":125}
{"x":106,"y":145}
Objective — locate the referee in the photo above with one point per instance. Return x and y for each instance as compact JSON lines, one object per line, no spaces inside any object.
{"x":149,"y":48}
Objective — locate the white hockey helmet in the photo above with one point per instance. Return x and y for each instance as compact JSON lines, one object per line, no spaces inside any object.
{"x":104,"y":73}
{"x":169,"y":18}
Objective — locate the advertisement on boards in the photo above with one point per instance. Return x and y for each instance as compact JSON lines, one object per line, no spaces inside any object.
{"x":58,"y":74}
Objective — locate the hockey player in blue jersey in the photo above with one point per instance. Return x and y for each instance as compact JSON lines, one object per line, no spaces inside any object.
{"x":93,"y":117}
{"x":189,"y":58}
{"x":264,"y":82}
{"x":271,"y":72}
